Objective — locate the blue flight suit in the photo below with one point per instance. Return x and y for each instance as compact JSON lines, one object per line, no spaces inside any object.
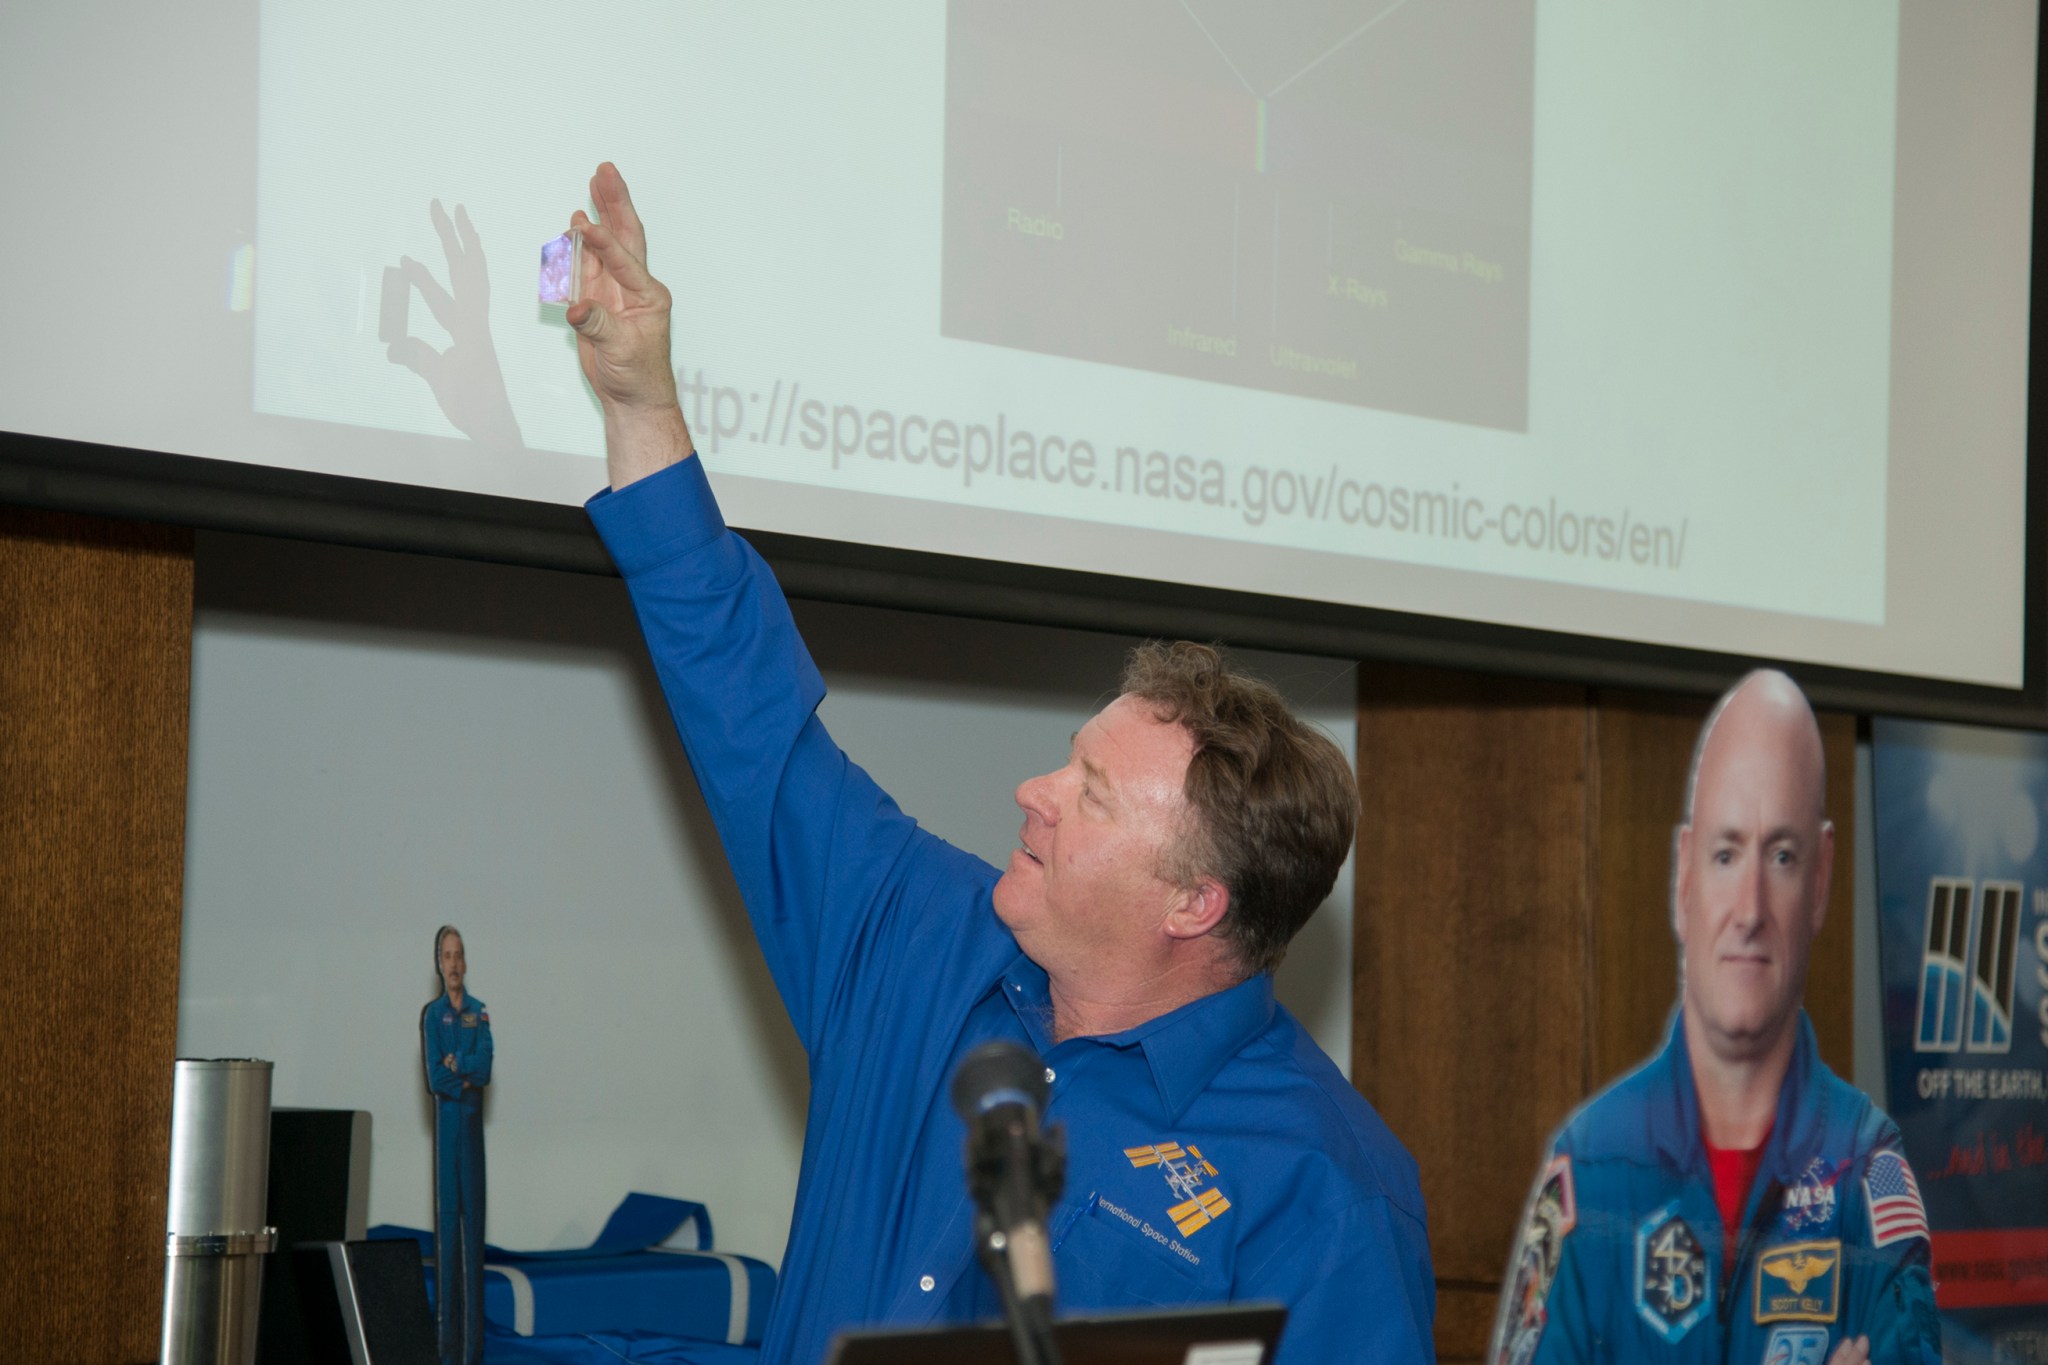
{"x":1621,"y":1253}
{"x":458,"y":1169}
{"x":1214,"y":1153}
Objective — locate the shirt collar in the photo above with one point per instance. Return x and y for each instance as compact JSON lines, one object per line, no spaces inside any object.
{"x":1796,"y":1133}
{"x":1675,"y":1128}
{"x":1802,"y":1123}
{"x":1184,"y":1048}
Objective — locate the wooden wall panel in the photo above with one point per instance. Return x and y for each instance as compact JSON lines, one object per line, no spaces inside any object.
{"x":1464,"y":1320}
{"x":1514,"y":946}
{"x":1645,"y":748}
{"x":95,"y":677}
{"x":1471,"y":888}
{"x":1831,"y":977}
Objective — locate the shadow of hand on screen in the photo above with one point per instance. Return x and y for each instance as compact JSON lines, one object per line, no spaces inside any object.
{"x":466,"y":379}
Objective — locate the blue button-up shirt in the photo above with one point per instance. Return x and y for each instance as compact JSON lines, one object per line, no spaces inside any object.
{"x":1214,"y":1153}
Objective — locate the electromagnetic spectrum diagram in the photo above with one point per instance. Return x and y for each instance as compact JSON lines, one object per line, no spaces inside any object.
{"x":1323,"y":197}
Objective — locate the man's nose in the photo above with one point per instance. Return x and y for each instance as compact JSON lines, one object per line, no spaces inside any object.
{"x":1034,"y":794}
{"x":1749,"y":895}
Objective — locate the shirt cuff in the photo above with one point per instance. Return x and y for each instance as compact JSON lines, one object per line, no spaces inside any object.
{"x":662,"y":517}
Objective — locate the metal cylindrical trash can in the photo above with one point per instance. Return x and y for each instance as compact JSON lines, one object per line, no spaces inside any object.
{"x":220,"y":1174}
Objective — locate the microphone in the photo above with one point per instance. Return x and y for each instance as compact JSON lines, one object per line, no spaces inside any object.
{"x":1015,"y":1171}
{"x":997,"y":1074}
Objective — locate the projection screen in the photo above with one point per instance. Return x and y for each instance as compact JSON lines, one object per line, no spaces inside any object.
{"x":1701,"y":327}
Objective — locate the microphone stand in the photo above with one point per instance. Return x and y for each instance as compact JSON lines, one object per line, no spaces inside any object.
{"x":1014,"y":1179}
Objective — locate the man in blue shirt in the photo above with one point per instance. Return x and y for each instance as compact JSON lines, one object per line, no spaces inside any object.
{"x":455,"y":1045}
{"x":1732,"y":1200}
{"x":1214,"y":1152}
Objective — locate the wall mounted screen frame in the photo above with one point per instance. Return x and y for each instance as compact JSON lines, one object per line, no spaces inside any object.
{"x":267,"y":483}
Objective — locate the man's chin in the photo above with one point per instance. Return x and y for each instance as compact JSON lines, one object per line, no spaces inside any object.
{"x":1004,"y":901}
{"x":1745,"y":1035}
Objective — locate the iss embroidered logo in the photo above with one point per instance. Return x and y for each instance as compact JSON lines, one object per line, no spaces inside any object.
{"x":1187,"y":1171}
{"x":1810,"y":1203}
{"x":1674,"y":1283}
{"x":1799,"y":1282}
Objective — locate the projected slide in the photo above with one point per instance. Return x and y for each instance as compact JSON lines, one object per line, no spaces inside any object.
{"x":1329,"y":200}
{"x":1263,"y":297}
{"x":1679,"y":324}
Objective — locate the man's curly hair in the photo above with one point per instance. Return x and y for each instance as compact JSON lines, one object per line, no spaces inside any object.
{"x":1272,"y":804}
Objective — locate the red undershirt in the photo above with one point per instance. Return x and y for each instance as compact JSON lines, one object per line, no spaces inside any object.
{"x":1734,"y":1171}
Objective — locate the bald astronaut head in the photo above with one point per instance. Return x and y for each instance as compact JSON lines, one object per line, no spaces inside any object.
{"x":1754,"y":856}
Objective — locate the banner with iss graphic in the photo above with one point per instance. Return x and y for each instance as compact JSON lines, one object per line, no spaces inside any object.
{"x":1962,"y":885}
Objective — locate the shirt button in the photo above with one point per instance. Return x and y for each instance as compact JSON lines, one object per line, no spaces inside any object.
{"x":927,"y":1284}
{"x":1051,"y":1075}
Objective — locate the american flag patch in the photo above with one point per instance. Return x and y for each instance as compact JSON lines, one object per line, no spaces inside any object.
{"x":1896,"y":1212}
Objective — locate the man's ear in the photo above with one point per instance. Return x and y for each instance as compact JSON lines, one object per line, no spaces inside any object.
{"x":1823,"y":874}
{"x":1198,"y":909}
{"x":1681,"y":879}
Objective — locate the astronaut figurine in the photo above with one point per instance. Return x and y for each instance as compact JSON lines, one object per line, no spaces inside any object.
{"x":455,"y":1041}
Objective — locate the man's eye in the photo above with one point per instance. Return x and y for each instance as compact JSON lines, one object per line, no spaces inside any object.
{"x":1724,"y":856}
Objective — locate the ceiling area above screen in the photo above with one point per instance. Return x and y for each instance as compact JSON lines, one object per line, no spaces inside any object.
{"x":1690,"y":328}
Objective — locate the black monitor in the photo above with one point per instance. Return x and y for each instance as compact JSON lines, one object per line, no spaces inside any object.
{"x":1225,"y":1334}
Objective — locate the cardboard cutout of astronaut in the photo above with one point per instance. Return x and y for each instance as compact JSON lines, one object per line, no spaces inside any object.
{"x":1731,"y":1199}
{"x":455,"y":1044}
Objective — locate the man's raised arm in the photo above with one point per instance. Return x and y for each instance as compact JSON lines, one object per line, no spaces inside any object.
{"x":621,"y":322}
{"x":829,"y":869}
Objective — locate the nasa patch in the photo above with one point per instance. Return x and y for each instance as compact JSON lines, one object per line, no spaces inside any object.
{"x":1796,"y":1346}
{"x":1674,"y":1282}
{"x":1810,"y":1202}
